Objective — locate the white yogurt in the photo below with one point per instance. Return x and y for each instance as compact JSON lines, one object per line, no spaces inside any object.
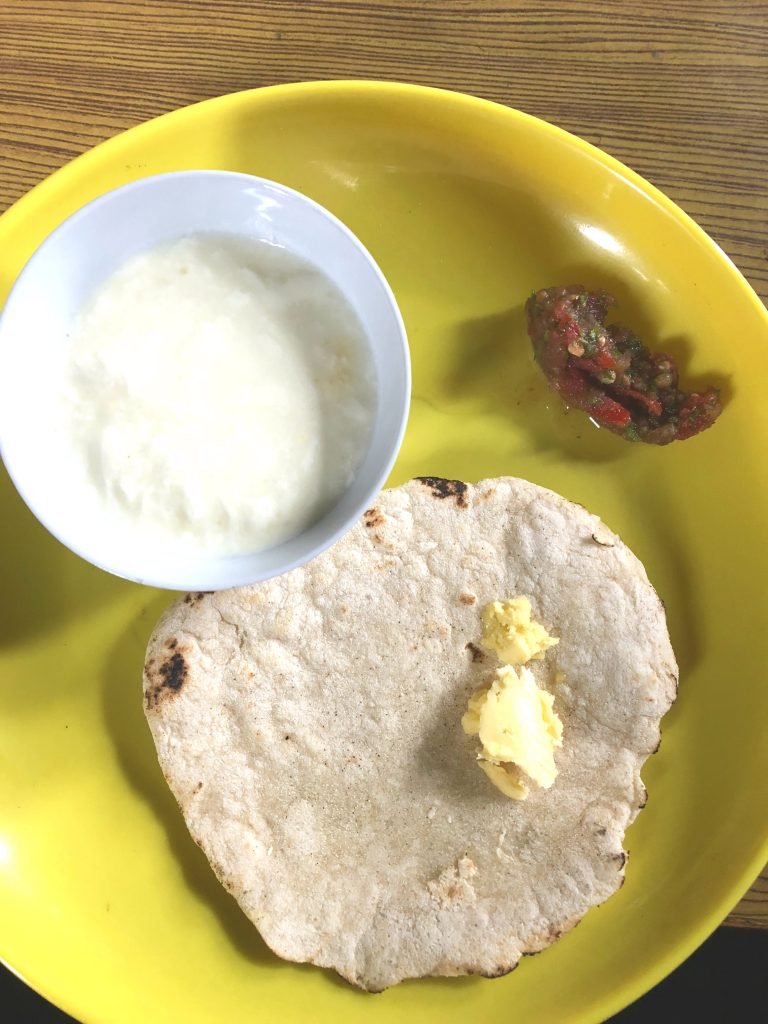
{"x":219,"y":395}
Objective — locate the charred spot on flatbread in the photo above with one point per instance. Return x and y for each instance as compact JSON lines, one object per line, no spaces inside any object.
{"x":497,"y":972}
{"x":442,"y":488}
{"x":166,"y":678}
{"x":197,"y":597}
{"x":475,"y":652}
{"x":372,"y":517}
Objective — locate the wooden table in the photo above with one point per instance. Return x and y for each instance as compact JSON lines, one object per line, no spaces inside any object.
{"x":678,"y":90}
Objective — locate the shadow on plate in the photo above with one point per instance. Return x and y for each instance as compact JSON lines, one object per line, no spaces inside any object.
{"x":490,"y":362}
{"x":673,"y":575}
{"x":44,"y":584}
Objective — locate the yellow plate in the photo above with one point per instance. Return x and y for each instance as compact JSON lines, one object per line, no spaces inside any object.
{"x":107,"y":906}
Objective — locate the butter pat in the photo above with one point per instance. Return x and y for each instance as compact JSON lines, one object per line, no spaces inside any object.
{"x":505,"y":777}
{"x":518,"y":729}
{"x":509,"y":631}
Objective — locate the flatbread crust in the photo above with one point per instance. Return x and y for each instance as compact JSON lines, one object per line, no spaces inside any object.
{"x":310,"y":729}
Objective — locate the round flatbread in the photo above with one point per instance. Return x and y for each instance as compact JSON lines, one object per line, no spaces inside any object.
{"x":310,"y":729}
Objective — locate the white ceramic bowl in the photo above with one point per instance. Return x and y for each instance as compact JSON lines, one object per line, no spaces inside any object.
{"x":86,"y":249}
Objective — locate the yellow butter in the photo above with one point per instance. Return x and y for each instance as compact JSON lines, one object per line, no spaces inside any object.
{"x":517,"y":725}
{"x":509,"y":631}
{"x":470,"y":721}
{"x":505,"y":777}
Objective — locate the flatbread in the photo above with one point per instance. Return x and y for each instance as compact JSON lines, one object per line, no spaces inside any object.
{"x":310,"y":729}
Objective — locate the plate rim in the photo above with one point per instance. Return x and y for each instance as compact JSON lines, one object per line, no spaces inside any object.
{"x":373,"y":86}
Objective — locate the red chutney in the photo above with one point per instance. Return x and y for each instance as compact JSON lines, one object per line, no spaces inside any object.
{"x":607,"y":371}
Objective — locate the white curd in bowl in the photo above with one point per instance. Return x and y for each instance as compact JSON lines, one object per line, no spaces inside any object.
{"x":218,"y":394}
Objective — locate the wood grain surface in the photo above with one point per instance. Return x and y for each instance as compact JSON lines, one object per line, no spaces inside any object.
{"x":676,"y":89}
